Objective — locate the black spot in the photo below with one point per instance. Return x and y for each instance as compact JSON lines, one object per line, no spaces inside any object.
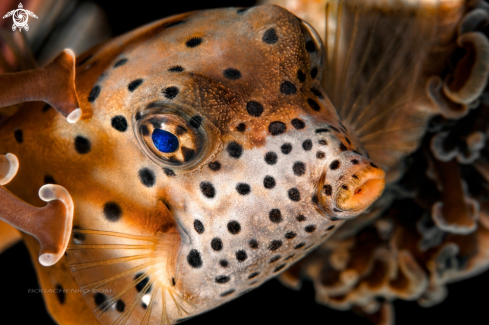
{"x":232,"y":74}
{"x":78,"y":236}
{"x":277,"y":127}
{"x":242,"y":10}
{"x":314,"y":199}
{"x":99,"y":298}
{"x":207,"y":189}
{"x":275,"y":259}
{"x":241,"y":255}
{"x":269,"y":182}
{"x":168,"y":172}
{"x":274,"y":245}
{"x":134,"y":84}
{"x":194,"y":41}
{"x":147,"y":177}
{"x":301,"y":76}
{"x":241,"y":127}
{"x":19,"y":135}
{"x":298,"y":123}
{"x":290,"y":235}
{"x":194,"y":259}
{"x":223,"y":263}
{"x":144,"y":130}
{"x":308,"y":247}
{"x":315,"y":106}
{"x":307,"y":145}
{"x":60,"y":294}
{"x":120,"y":63}
{"x":254,"y":108}
{"x":199,"y":226}
{"x":286,"y":148}
{"x":48,"y":179}
{"x":322,"y":130}
{"x":140,"y":286}
{"x":173,"y":281}
{"x":343,"y":147}
{"x":234,"y":227}
{"x":288,"y":88}
{"x":84,"y":60}
{"x":234,"y":149}
{"x":138,"y":116}
{"x":299,"y":168}
{"x":330,"y":228}
{"x":278,"y":268}
{"x":171,"y":92}
{"x":348,"y":141}
{"x":243,"y":188}
{"x":270,"y":36}
{"x":215,"y":165}
{"x":300,"y":218}
{"x":354,"y":162}
{"x":176,"y":68}
{"x":314,"y":72}
{"x":310,"y":228}
{"x":300,"y":245}
{"x":253,"y":275}
{"x":94,"y":93}
{"x":196,"y":121}
{"x":271,"y":158}
{"x":46,"y":108}
{"x":227,"y":293}
{"x":310,"y":46}
{"x":154,"y":104}
{"x":112,"y":211}
{"x":334,"y":164}
{"x":222,"y":279}
{"x":289,"y":257}
{"x":120,"y":306}
{"x":180,"y":130}
{"x":320,"y":155}
{"x":175,"y":23}
{"x":317,"y":92}
{"x":354,"y":176}
{"x":373,"y":165}
{"x":344,"y":187}
{"x":216,"y":244}
{"x":294,"y":194}
{"x":328,"y":190}
{"x":275,"y":215}
{"x":253,"y":243}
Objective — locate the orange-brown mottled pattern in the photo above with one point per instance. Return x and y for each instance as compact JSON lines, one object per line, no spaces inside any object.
{"x":110,"y":194}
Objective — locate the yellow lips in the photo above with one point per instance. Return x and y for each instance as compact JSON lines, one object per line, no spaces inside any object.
{"x":359,"y":196}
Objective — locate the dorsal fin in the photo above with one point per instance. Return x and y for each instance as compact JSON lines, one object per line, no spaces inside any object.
{"x":380,"y":58}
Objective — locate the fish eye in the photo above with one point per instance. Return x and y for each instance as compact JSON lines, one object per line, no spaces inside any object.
{"x":164,"y":141}
{"x":171,"y":138}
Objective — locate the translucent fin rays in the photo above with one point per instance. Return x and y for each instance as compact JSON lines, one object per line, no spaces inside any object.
{"x":140,"y":271}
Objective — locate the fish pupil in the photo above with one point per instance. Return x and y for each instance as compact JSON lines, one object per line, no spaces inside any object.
{"x":164,"y":141}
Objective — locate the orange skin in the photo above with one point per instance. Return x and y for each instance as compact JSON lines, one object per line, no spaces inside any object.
{"x":117,"y":187}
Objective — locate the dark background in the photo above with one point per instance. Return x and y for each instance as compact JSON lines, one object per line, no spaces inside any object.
{"x":467,"y":301}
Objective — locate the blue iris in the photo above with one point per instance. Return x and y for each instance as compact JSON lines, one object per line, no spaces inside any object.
{"x":164,"y":141}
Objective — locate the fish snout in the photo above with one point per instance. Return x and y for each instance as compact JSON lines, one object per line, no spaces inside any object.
{"x":346,"y":191}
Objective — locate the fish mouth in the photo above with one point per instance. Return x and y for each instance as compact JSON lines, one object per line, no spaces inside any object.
{"x":361,"y":194}
{"x":352,"y":193}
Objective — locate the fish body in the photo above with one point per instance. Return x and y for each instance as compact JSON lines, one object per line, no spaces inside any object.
{"x":208,"y":159}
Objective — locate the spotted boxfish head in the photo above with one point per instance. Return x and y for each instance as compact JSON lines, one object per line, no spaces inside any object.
{"x":221,"y":159}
